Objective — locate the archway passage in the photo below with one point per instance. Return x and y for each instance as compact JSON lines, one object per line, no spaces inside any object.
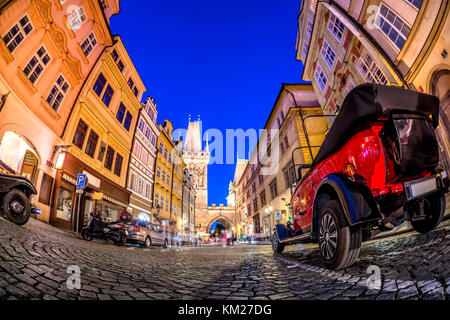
{"x":221,"y":224}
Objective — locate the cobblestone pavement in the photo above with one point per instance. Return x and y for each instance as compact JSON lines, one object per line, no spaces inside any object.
{"x":34,"y":262}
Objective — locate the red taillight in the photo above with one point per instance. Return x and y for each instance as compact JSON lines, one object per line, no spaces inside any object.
{"x":137,"y":229}
{"x":121,"y":225}
{"x":350,"y":170}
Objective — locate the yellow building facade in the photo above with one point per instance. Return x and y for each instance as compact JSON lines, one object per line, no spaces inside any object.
{"x":100,"y":135}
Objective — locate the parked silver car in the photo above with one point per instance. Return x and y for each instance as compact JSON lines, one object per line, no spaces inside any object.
{"x":146,"y":234}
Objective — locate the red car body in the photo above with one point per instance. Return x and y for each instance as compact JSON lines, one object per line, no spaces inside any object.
{"x":377,"y":167}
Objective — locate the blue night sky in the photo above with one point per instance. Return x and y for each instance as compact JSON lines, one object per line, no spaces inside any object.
{"x":223,"y":60}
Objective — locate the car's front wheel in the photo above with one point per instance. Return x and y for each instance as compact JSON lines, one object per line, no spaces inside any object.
{"x":339,"y":243}
{"x":434,"y":209}
{"x":16,"y":207}
{"x":277,"y":246}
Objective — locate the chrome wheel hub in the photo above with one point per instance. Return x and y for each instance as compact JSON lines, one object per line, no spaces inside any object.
{"x":328,"y":238}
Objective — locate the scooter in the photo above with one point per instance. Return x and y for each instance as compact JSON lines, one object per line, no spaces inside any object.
{"x":97,"y":228}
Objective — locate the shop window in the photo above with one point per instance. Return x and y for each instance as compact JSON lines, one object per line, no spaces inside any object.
{"x":121,"y":112}
{"x":17,"y":33}
{"x":118,"y":165}
{"x":99,"y":84}
{"x":36,"y":65}
{"x":111,"y":214}
{"x":127,"y":122}
{"x":108,"y":95}
{"x":89,"y":44}
{"x":91,"y":144}
{"x":57,"y":93}
{"x":80,"y":134}
{"x":45,"y":190}
{"x":64,"y":205}
{"x":109,"y":158}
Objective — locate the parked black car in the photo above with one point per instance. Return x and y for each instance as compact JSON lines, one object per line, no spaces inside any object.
{"x":15,"y":193}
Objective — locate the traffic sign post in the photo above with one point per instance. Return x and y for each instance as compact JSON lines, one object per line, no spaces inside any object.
{"x":82,"y":182}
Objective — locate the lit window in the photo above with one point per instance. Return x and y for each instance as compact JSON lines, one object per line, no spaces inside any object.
{"x":392,"y":26}
{"x":328,"y":54}
{"x":17,"y":33}
{"x":36,"y":65}
{"x":77,"y":18}
{"x":336,"y":27}
{"x":57,"y":93}
{"x":320,"y":77}
{"x":369,"y":70}
{"x":89,"y":44}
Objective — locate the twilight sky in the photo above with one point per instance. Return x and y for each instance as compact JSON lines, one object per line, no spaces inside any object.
{"x":222,"y":60}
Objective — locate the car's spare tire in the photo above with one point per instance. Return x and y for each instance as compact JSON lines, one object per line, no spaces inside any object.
{"x":17,"y":207}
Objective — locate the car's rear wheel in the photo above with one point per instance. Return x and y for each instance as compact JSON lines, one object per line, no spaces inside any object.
{"x":434,"y":209}
{"x":339,"y":243}
{"x":277,"y":246}
{"x":148,"y":242}
{"x":16,"y":207}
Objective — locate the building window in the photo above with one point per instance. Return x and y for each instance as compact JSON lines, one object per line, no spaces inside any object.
{"x":255,"y":205}
{"x":164,"y":176}
{"x":80,"y":134}
{"x":165,"y":153}
{"x":101,"y":152}
{"x":103,"y":4}
{"x":36,"y":65}
{"x":158,"y":171}
{"x":369,"y":70}
{"x":168,"y":179}
{"x":161,"y":148}
{"x":350,"y":85}
{"x":91,"y":144}
{"x":120,"y":65}
{"x":416,"y":3}
{"x":262,"y":196}
{"x":121,"y":112}
{"x":77,"y":18}
{"x":107,"y":95}
{"x":144,"y":156}
{"x":328,"y":54}
{"x":89,"y":44}
{"x":128,"y":120}
{"x":57,"y":93}
{"x":147,"y":133}
{"x":336,"y":27}
{"x":170,"y":158}
{"x":392,"y":26}
{"x":114,"y":55}
{"x":320,"y":77}
{"x":118,"y":165}
{"x":17,"y":33}
{"x":137,"y":149}
{"x":156,"y":200}
{"x":99,"y":84}
{"x":109,"y":158}
{"x":135,"y":92}
{"x":286,"y":141}
{"x":130,"y":83}
{"x":273,"y":189}
{"x":305,"y":49}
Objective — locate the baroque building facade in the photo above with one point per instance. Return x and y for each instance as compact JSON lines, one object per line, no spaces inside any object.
{"x":47,"y":51}
{"x":394,"y":42}
{"x":265,"y":182}
{"x":141,"y":169}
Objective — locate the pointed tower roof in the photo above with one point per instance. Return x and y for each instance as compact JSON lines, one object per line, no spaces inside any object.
{"x":193,"y":141}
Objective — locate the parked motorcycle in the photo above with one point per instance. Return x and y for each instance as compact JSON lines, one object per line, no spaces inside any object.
{"x":97,"y":228}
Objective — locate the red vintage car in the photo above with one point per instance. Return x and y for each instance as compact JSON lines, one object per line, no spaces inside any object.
{"x":377,"y":167}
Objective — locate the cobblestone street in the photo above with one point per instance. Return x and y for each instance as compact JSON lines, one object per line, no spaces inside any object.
{"x":34,"y":260}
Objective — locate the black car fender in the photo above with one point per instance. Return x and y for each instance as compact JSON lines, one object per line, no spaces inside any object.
{"x":355,"y":198}
{"x":9,"y":182}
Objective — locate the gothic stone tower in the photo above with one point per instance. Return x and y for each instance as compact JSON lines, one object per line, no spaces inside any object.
{"x":197,"y":160}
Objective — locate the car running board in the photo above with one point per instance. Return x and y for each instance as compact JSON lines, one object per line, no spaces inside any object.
{"x":297,"y":238}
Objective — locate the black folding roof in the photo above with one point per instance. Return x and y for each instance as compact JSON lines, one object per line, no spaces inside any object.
{"x":370,"y":101}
